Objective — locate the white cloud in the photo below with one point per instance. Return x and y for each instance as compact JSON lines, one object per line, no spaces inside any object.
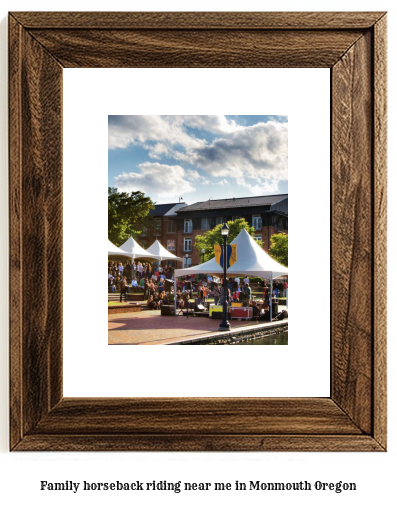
{"x":262,"y":187}
{"x":256,"y":157}
{"x":155,"y":180}
{"x":217,"y":124}
{"x":193,"y":175}
{"x":126,"y":130}
{"x":259,"y":152}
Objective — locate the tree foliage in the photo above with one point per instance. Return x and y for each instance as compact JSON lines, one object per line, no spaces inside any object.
{"x":214,"y":237}
{"x":126,"y":214}
{"x":279,"y":248}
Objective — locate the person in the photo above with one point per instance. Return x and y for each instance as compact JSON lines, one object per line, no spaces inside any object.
{"x":151,"y":304}
{"x":216,"y":294}
{"x":285,"y":287}
{"x":185,"y":300}
{"x":204,"y":290}
{"x":230,"y":284}
{"x":139,"y":268}
{"x":152,"y":288}
{"x":236,"y":283}
{"x":111,"y":284}
{"x":123,"y":289}
{"x":128,"y":272}
{"x":178,"y":298}
{"x":134,"y":285}
{"x":256,"y":311}
{"x":246,"y":280}
{"x":236,"y":295}
{"x":162,"y":299}
{"x":247,"y":293}
{"x":156,"y":300}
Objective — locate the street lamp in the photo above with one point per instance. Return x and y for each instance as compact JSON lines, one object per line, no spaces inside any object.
{"x":186,"y":257}
{"x":202,"y":254}
{"x":224,"y":325}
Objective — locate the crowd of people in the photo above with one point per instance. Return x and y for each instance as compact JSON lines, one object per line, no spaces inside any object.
{"x":134,"y":276}
{"x":156,"y":282}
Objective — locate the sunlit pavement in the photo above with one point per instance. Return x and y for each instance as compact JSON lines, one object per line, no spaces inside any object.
{"x":149,"y":327}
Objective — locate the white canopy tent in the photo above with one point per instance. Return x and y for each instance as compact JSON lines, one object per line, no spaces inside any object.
{"x":134,"y":250}
{"x":115,"y":250}
{"x":158,"y":250}
{"x":252,"y":260}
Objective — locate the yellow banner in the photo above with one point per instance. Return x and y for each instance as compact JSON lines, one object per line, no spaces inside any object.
{"x":218,"y":253}
{"x":233,"y":255}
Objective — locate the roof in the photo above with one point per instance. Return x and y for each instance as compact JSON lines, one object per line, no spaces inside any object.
{"x":161,"y":209}
{"x":238,"y":202}
{"x":133,"y":249}
{"x":251,"y":261}
{"x":172,"y":211}
{"x":158,"y":250}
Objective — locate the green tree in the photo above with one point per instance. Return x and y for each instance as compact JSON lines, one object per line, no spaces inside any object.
{"x":279,"y":248}
{"x":126,"y":214}
{"x":214,"y":236}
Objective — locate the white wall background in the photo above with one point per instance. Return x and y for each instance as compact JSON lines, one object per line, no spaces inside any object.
{"x":20,"y":473}
{"x":92,"y":94}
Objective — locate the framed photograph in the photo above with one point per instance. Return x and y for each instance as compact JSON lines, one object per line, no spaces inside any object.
{"x":353,"y":46}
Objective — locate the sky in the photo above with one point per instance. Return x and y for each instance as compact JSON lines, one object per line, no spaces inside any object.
{"x":197,"y":158}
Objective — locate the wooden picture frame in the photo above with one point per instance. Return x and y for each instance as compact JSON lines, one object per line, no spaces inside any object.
{"x":353,"y":46}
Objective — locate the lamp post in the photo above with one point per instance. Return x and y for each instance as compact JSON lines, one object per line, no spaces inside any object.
{"x":224,"y":325}
{"x":186,"y":257}
{"x":202,"y":254}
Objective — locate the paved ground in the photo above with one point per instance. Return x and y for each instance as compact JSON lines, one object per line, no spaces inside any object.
{"x":150,"y":328}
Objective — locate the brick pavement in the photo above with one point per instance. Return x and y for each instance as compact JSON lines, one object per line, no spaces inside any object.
{"x":150,"y":328}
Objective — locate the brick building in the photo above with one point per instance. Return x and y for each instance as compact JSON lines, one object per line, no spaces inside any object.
{"x":177,"y":224}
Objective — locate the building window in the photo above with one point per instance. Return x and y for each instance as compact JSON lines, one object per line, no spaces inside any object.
{"x":257,"y":237}
{"x":170,"y":227}
{"x":188,"y":227}
{"x":144,"y":232}
{"x":170,"y":244}
{"x":187,"y":245}
{"x":205,"y":224}
{"x":157,"y":227}
{"x":257,"y":222}
{"x":219,"y":220}
{"x":236,"y":218}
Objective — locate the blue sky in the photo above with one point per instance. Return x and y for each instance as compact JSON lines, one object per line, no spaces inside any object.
{"x":198,"y":157}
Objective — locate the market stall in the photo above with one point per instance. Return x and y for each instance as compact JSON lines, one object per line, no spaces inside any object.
{"x":252,"y":260}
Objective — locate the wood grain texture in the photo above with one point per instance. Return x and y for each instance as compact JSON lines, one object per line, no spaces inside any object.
{"x":15,"y":225}
{"x":200,"y":20}
{"x":351,"y":226}
{"x":196,"y":48}
{"x":220,"y":416}
{"x":36,"y":187}
{"x":380,"y":230}
{"x":199,"y":443}
{"x":354,"y":46}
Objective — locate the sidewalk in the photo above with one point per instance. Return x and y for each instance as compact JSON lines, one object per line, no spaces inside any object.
{"x":150,"y":328}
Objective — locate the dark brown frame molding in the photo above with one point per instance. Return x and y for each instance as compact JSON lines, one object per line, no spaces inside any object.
{"x":353,"y":46}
